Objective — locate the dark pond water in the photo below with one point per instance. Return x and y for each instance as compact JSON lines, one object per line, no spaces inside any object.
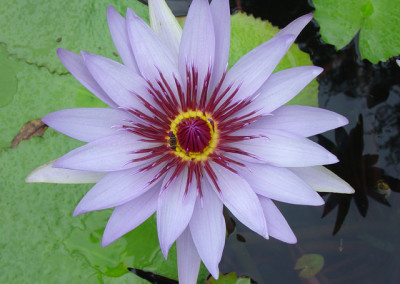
{"x":358,"y":236}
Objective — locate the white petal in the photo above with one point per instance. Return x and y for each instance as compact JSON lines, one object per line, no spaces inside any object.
{"x":164,"y":23}
{"x":117,"y":26}
{"x":188,"y":259}
{"x":278,"y":227}
{"x":127,"y":217}
{"x":46,"y":173}
{"x":174,"y":209}
{"x":76,"y":65}
{"x":115,"y":189}
{"x":301,"y":120}
{"x":208,"y":229}
{"x":87,"y":124}
{"x":323,"y":180}
{"x":240,"y":199}
{"x":279,"y":184}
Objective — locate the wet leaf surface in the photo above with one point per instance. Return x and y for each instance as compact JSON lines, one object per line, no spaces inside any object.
{"x":376,"y":21}
{"x":309,"y":265}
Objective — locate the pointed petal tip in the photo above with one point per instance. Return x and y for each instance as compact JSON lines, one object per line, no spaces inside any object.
{"x":214,"y":271}
{"x":317,"y":70}
{"x":78,"y":211}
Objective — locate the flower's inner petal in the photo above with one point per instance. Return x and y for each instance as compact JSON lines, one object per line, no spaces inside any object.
{"x":239,"y":198}
{"x":278,"y":227}
{"x":301,"y":120}
{"x":197,"y":48}
{"x":280,"y":184}
{"x":276,"y":91}
{"x":87,"y":124}
{"x":76,"y":65}
{"x":221,"y":17}
{"x":207,"y":227}
{"x":128,"y":216}
{"x":117,"y":26}
{"x":254,"y":68}
{"x":155,"y":61}
{"x":281,"y":149}
{"x":111,"y":153}
{"x":188,"y":259}
{"x":175,"y":207}
{"x":120,"y":82}
{"x":115,"y":189}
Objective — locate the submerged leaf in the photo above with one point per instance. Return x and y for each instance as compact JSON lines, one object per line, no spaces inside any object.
{"x":309,"y":265}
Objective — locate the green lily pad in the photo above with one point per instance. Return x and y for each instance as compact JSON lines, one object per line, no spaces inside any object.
{"x":377,"y":21}
{"x":33,"y":30}
{"x":40,"y":239}
{"x":230,"y":278}
{"x":309,"y":265}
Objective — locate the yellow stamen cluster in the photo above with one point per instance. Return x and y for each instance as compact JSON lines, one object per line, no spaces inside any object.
{"x":196,"y":156}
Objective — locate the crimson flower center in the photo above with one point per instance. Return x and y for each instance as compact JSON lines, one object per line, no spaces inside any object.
{"x":193,"y":134}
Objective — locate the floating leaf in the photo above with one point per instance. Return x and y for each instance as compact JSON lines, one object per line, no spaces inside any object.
{"x":377,"y":21}
{"x":230,"y":278}
{"x":309,"y":265}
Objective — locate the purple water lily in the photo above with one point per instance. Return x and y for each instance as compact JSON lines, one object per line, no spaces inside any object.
{"x":183,"y":136}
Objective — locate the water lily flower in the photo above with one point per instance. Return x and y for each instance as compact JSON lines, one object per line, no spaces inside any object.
{"x":183,"y":136}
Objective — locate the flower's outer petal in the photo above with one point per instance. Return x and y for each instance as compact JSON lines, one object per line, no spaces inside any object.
{"x":117,"y":26}
{"x":175,"y":209}
{"x":296,"y":26}
{"x":128,"y":216}
{"x":280,"y":184}
{"x":278,"y":228}
{"x":164,"y":23}
{"x":87,"y":124}
{"x":283,"y":86}
{"x":76,"y":65}
{"x":323,"y":180}
{"x":301,"y":120}
{"x":115,"y":189}
{"x":46,"y":173}
{"x":254,"y":68}
{"x":119,"y":81}
{"x":240,"y":199}
{"x":220,"y":12}
{"x":198,"y":42}
{"x":283,"y":150}
{"x":111,"y":153}
{"x":208,"y":229}
{"x":188,"y":259}
{"x":152,"y":56}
